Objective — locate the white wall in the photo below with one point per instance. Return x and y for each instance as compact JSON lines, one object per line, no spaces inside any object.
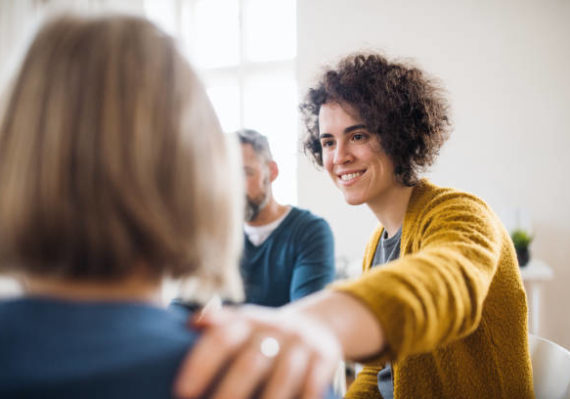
{"x":506,"y":65}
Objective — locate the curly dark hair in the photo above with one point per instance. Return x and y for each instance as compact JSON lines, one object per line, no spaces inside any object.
{"x":397,"y":101}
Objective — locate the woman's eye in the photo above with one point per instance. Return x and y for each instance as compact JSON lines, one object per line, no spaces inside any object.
{"x":359,"y":137}
{"x":327,"y":143}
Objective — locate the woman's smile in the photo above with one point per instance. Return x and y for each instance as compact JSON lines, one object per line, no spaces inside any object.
{"x":349,"y":178}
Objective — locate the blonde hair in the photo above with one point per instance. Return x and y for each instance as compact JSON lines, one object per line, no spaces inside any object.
{"x":111,"y":155}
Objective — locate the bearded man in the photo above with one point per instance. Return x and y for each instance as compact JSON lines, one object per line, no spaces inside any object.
{"x":288,"y":251}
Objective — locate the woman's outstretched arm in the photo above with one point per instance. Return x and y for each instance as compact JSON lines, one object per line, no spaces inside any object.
{"x":313,"y":334}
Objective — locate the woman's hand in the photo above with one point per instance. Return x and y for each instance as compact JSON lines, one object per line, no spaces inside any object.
{"x":276,"y":354}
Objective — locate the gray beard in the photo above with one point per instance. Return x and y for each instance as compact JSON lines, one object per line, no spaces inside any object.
{"x":253,"y":208}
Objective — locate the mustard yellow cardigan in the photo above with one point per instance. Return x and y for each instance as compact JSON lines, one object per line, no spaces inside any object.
{"x":452,"y":307}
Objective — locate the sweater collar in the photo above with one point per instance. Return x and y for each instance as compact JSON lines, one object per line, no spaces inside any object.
{"x":415,"y":206}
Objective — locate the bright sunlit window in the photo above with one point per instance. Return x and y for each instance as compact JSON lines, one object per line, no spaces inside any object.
{"x":245,"y":52}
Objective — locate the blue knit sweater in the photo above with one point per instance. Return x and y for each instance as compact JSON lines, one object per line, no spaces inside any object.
{"x":63,"y":349}
{"x":297,"y":259}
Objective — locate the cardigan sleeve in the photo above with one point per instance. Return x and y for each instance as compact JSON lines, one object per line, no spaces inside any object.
{"x":435,"y":294}
{"x":366,"y":385}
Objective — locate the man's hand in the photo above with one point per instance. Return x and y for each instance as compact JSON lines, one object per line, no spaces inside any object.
{"x":273,"y":353}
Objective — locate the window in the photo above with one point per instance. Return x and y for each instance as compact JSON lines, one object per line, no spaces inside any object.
{"x":245,"y":52}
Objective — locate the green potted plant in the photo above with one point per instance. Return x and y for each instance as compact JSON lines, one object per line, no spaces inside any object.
{"x":521,"y":240}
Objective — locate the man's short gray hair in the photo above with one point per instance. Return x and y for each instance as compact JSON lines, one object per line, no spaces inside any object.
{"x":258,"y":142}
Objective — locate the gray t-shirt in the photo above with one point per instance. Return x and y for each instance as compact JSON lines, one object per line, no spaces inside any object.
{"x":388,"y":249}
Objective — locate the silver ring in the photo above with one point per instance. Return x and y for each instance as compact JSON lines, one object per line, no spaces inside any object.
{"x":269,"y":347}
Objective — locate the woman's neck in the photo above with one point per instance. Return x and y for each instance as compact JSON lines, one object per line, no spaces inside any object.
{"x":390,"y":209}
{"x":133,"y":288}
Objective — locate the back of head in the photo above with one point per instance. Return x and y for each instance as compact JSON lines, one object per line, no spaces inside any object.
{"x":111,"y":157}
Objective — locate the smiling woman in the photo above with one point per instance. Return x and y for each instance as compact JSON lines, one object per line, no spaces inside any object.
{"x":440,"y":311}
{"x":375,"y":125}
